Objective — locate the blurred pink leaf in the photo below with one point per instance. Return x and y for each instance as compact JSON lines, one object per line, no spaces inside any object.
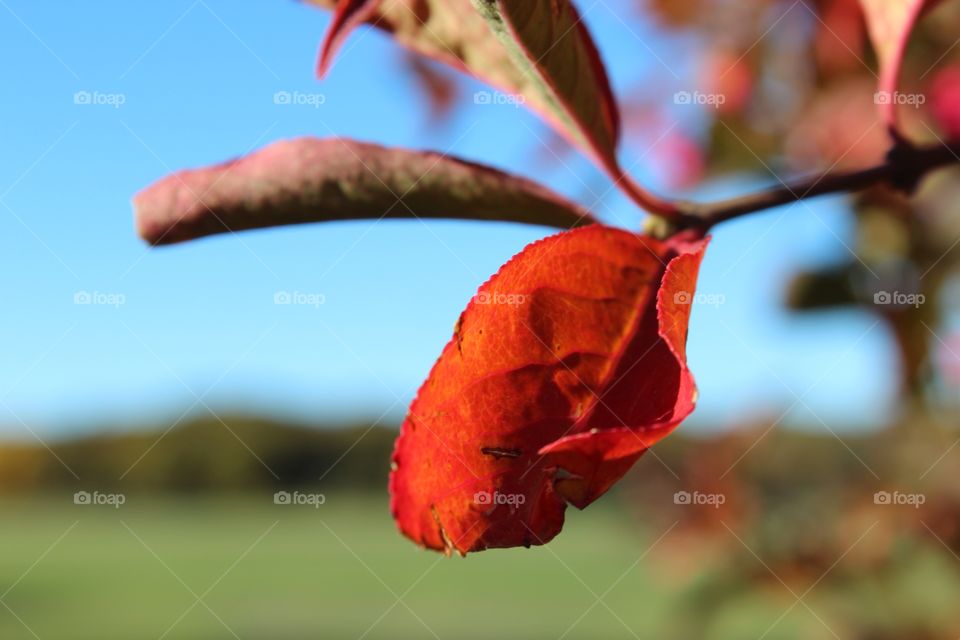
{"x":945,"y":90}
{"x":438,"y":83}
{"x":316,"y":180}
{"x":347,"y":15}
{"x":889,"y":23}
{"x":448,"y":30}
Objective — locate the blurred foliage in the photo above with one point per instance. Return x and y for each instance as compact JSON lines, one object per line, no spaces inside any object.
{"x":799,"y":81}
{"x":206,"y":454}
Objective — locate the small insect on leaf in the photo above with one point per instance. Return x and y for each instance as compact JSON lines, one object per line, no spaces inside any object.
{"x":567,"y":365}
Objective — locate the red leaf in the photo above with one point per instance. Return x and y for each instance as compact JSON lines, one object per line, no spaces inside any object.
{"x":538,"y":49}
{"x":315,"y":180}
{"x":889,"y":23}
{"x":451,"y":31}
{"x":347,"y":16}
{"x":564,"y":368}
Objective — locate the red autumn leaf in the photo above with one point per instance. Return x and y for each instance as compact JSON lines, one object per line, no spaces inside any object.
{"x":316,"y":180}
{"x":448,"y":30}
{"x":564,"y":368}
{"x":889,"y":23}
{"x":537,"y":49}
{"x":347,"y":15}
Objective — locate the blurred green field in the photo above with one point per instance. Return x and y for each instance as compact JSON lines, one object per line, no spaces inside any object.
{"x":279,"y":571}
{"x":265,"y":571}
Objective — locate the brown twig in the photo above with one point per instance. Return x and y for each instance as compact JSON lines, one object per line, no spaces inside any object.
{"x":903,"y":168}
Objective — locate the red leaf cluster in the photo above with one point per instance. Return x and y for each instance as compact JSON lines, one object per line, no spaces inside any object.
{"x":570,"y":362}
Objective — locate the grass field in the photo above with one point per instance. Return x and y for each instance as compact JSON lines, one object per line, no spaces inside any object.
{"x":219,"y":567}
{"x":275,"y":572}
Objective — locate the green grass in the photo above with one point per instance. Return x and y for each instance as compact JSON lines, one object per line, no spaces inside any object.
{"x":277,"y":572}
{"x":274,"y":572}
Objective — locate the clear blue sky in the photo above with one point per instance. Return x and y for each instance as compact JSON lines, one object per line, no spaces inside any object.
{"x":197,"y":79}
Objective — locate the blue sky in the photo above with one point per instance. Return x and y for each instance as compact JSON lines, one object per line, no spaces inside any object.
{"x":197,"y":329}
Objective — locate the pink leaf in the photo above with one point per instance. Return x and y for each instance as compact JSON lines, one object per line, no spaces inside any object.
{"x":348,"y":14}
{"x":315,"y":180}
{"x":890,"y":23}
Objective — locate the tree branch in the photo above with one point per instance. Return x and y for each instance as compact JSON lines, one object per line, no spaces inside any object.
{"x":903,"y":168}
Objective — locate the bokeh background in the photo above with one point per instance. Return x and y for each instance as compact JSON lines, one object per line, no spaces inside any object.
{"x":812,"y":495}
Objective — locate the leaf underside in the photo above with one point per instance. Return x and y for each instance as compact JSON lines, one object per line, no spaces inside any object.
{"x":537,"y":49}
{"x":314,"y":180}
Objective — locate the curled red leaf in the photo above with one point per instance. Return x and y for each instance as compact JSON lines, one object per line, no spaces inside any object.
{"x":563,"y":370}
{"x":315,"y":180}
